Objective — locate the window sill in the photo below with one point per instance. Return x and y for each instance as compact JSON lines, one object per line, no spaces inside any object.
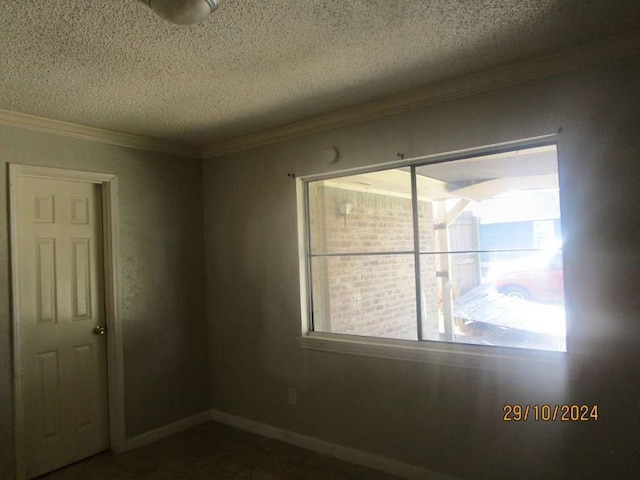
{"x":499,"y":359}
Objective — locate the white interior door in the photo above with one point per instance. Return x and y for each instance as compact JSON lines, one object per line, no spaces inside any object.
{"x":61,"y":302}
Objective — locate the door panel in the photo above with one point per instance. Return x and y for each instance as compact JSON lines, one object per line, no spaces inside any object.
{"x":46,"y":280}
{"x":61,"y":284}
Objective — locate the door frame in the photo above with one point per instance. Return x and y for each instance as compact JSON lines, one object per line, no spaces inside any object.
{"x":110,"y":233}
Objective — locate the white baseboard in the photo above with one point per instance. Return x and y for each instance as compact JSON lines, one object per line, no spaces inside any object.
{"x":166,"y":430}
{"x":358,"y":457}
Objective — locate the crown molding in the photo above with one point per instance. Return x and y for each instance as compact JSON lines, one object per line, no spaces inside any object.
{"x":57,"y":127}
{"x":559,"y":62}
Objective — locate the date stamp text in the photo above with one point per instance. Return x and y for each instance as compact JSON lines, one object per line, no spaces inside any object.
{"x":550,"y":413}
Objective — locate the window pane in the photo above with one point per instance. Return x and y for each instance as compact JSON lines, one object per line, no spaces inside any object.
{"x":510,"y":201}
{"x":371,"y":212}
{"x":372,"y":295}
{"x":512,"y":299}
{"x":490,"y":252}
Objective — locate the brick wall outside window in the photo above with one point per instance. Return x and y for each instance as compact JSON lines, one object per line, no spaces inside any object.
{"x":371,"y":295}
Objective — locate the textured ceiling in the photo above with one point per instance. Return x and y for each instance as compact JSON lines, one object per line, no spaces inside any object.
{"x":255,"y":65}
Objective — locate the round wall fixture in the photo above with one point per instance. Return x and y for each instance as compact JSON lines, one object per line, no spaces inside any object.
{"x":183,"y":12}
{"x":331,"y":155}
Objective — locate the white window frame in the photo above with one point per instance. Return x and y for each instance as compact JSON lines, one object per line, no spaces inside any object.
{"x":497,"y":358}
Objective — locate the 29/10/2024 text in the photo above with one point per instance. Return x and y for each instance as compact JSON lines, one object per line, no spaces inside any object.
{"x":550,"y":413}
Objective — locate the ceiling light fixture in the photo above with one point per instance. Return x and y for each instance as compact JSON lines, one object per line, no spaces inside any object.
{"x":183,"y":12}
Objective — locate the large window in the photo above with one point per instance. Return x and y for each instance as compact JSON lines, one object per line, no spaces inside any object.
{"x":465,"y":251}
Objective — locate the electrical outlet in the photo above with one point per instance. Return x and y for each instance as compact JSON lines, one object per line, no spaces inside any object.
{"x":293,"y":396}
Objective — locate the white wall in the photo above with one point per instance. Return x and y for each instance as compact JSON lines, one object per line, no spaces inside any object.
{"x":447,"y":419}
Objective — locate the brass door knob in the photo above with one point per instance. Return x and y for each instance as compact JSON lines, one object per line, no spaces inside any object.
{"x":99,"y":330}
